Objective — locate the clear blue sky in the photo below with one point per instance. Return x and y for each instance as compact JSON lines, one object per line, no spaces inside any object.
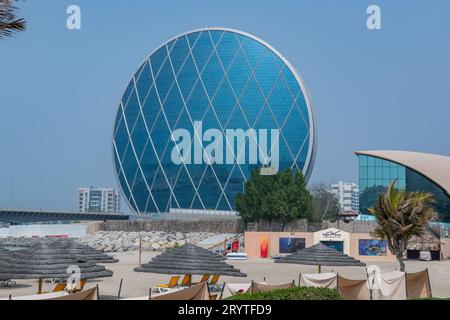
{"x":59,"y":89}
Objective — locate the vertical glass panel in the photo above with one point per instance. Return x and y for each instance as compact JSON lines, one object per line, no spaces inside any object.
{"x":378,"y":162}
{"x":157,"y":59}
{"x":371,"y":172}
{"x":144,"y":82}
{"x":139,"y":136}
{"x":179,"y":54}
{"x":363,"y":172}
{"x":363,"y":161}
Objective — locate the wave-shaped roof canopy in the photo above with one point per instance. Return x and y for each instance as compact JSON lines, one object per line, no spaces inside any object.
{"x":432,"y":166}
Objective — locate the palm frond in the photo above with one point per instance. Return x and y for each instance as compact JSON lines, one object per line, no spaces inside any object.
{"x":401,"y":215}
{"x":9,"y":22}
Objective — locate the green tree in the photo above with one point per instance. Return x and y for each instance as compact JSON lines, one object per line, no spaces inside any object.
{"x":9,"y":22}
{"x":282,"y":196}
{"x":401,"y":215}
{"x":326,"y":204}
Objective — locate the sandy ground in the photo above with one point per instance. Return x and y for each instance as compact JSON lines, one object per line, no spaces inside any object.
{"x":137,"y":284}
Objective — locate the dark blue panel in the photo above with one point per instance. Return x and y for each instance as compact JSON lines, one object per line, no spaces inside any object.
{"x":132,"y":110}
{"x":164,"y":81}
{"x":212,"y":76}
{"x":197,"y":103}
{"x":179,"y":54}
{"x":161,"y":191}
{"x":239,"y":73}
{"x":202,"y":50}
{"x":295,"y":131}
{"x":173,"y":106}
{"x":281,"y":102}
{"x":187,"y":77}
{"x":157,"y":59}
{"x":144,"y":82}
{"x":224,"y":102}
{"x":183,"y":190}
{"x":253,"y":51}
{"x":252,"y":101}
{"x":267,"y":73}
{"x":139,"y":136}
{"x":227,"y":49}
{"x":151,"y":108}
{"x":216,"y":35}
{"x":121,"y":138}
{"x":210,"y":189}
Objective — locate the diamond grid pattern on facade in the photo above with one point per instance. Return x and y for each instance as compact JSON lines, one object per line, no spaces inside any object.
{"x":227,"y":80}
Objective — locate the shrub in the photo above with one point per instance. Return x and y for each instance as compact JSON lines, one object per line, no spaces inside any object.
{"x":297,"y":293}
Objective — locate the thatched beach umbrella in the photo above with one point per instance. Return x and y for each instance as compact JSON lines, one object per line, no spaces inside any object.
{"x":320,"y":255}
{"x":83,"y":251}
{"x":43,"y":261}
{"x":191,"y":260}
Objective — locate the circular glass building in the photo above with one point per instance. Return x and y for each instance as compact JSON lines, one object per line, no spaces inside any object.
{"x":200,"y":113}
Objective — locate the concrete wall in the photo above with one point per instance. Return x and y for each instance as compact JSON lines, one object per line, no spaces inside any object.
{"x":252,"y":244}
{"x":252,"y":241}
{"x":43,"y":230}
{"x":171,"y":225}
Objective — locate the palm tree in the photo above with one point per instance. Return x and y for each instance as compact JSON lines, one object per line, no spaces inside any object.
{"x":9,"y":23}
{"x":401,"y":215}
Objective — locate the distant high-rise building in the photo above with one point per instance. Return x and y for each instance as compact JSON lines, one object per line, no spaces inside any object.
{"x":98,"y":200}
{"x":347,"y":194}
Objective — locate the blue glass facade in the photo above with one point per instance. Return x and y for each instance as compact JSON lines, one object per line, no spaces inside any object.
{"x":375,"y":174}
{"x":227,"y":80}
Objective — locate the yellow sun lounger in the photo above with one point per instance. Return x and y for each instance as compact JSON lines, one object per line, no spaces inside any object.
{"x":59,"y":287}
{"x":214,"y":279}
{"x":204,"y":278}
{"x":187,"y":280}
{"x":80,"y":285}
{"x":172,"y":283}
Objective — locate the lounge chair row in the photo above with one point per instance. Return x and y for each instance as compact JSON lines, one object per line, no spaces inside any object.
{"x":187,"y":281}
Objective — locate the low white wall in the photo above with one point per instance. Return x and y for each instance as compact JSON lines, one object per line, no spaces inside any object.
{"x":42,"y":230}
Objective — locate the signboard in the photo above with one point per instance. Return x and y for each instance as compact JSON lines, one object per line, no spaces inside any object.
{"x":290,"y":245}
{"x":372,"y":247}
{"x":334,"y":235}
